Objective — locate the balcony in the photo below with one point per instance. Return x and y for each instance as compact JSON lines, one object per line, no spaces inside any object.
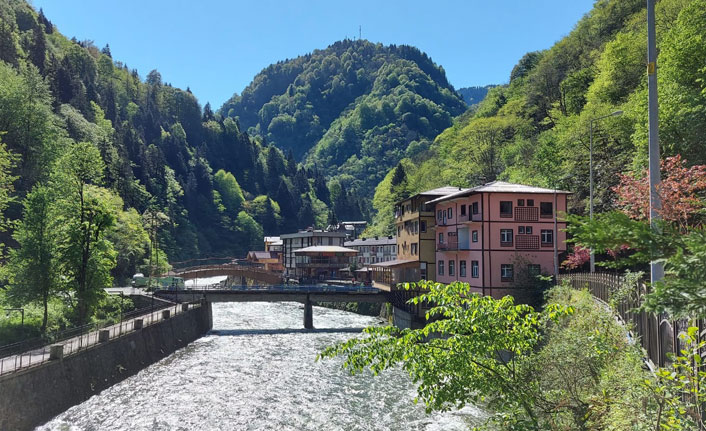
{"x":526,"y":214}
{"x":466,"y":218}
{"x":527,"y":242}
{"x":449,"y":245}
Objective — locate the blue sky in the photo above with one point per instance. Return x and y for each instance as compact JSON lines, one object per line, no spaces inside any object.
{"x":217,"y":47}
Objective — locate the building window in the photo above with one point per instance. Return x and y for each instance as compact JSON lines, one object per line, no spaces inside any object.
{"x":463,"y":210}
{"x":528,"y":230}
{"x":423,"y":226}
{"x":547,"y":237}
{"x":439,"y":216}
{"x":452,"y":267}
{"x":520,"y":230}
{"x":474,"y":269}
{"x":520,"y":202}
{"x":506,"y":273}
{"x":399,"y":230}
{"x":462,"y":268}
{"x":505,"y":208}
{"x":414,"y":248}
{"x":416,"y":227}
{"x":530,"y":202}
{"x":449,"y":213}
{"x":546,"y":209}
{"x":474,"y":236}
{"x":534,"y":269}
{"x":440,"y":264}
{"x":441,"y":238}
{"x":505,"y":237}
{"x":474,"y":208}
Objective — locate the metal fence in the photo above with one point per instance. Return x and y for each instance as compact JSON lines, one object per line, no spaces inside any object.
{"x":658,"y":334}
{"x":29,"y":353}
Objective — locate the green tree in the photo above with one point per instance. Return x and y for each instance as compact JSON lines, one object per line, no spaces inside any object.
{"x":85,"y":214}
{"x":33,"y":265}
{"x":471,"y":351}
{"x":230,"y":190}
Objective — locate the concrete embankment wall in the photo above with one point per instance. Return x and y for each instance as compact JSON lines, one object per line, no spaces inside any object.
{"x":32,"y":397}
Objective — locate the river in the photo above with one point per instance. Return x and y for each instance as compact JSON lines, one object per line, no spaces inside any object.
{"x":257,"y":371}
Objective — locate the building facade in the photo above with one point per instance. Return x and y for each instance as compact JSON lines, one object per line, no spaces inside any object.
{"x":414,"y":235}
{"x":293,"y":264}
{"x":373,"y":250}
{"x":498,"y":237}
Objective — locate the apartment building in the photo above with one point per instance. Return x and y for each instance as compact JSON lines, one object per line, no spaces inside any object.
{"x":295,"y":265}
{"x":373,"y":250}
{"x":499,"y":236}
{"x":414,"y":236}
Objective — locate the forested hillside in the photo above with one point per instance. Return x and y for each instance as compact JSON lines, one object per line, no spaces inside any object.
{"x":197,"y":181}
{"x":474,"y":95}
{"x":535,"y":130}
{"x":352,"y":110}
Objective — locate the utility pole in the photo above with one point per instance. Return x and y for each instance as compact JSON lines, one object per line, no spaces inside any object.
{"x":656,"y":268}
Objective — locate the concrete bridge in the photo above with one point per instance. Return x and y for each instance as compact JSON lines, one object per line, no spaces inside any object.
{"x":306,"y":295}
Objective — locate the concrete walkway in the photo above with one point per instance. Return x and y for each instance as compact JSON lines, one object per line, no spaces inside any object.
{"x":20,"y":361}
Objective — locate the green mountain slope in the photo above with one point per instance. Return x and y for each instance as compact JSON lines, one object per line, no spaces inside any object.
{"x":219,"y":189}
{"x":535,"y":130}
{"x":474,"y":95}
{"x":353,"y":109}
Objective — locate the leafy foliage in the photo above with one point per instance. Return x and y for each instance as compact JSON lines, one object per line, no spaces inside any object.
{"x":569,"y":366}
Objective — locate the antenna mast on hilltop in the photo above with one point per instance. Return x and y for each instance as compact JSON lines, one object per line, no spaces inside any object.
{"x":360,"y":32}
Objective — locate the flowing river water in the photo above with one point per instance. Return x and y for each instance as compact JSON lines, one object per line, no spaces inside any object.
{"x":257,"y":371}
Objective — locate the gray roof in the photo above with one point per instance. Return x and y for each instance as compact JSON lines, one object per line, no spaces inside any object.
{"x":385,"y":240}
{"x":497,"y":187}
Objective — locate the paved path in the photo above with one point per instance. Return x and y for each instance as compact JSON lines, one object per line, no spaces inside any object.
{"x":17,"y":362}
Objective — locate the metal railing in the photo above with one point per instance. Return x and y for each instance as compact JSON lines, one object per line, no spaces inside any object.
{"x":30,"y":353}
{"x":657,"y":332}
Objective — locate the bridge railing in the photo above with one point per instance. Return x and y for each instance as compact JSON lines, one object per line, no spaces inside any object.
{"x":224,"y":266}
{"x":293,"y":288}
{"x":29,"y":353}
{"x":657,"y":332}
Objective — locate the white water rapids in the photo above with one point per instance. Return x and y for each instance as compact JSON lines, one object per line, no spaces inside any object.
{"x":257,"y":371}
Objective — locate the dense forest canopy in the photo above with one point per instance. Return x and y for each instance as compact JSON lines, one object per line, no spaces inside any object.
{"x":535,"y":129}
{"x":352,"y":110}
{"x":218,"y":189}
{"x":474,"y":95}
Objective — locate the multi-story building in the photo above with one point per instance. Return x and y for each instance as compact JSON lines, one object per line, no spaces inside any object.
{"x":414,"y":235}
{"x":323,"y":262}
{"x":499,"y":236}
{"x":292,"y":242}
{"x":373,"y":250}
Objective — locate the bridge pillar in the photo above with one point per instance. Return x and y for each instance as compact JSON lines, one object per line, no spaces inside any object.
{"x":308,"y":314}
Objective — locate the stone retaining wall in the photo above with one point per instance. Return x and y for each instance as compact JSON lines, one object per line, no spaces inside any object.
{"x":34,"y":396}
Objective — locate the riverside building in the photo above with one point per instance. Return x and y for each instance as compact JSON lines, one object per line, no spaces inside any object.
{"x":499,"y":236}
{"x":298,"y":265}
{"x":414,"y":237}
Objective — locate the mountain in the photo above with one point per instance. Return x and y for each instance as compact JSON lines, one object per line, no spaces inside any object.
{"x":352,"y":110}
{"x":474,"y":95}
{"x":535,"y":130}
{"x":219,"y":189}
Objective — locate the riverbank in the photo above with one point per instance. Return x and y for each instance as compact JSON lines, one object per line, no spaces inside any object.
{"x":32,"y":396}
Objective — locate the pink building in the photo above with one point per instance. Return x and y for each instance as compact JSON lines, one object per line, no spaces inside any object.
{"x":497,"y":237}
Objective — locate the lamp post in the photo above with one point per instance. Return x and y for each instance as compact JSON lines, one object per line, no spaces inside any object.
{"x":590,"y":173}
{"x":656,"y":268}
